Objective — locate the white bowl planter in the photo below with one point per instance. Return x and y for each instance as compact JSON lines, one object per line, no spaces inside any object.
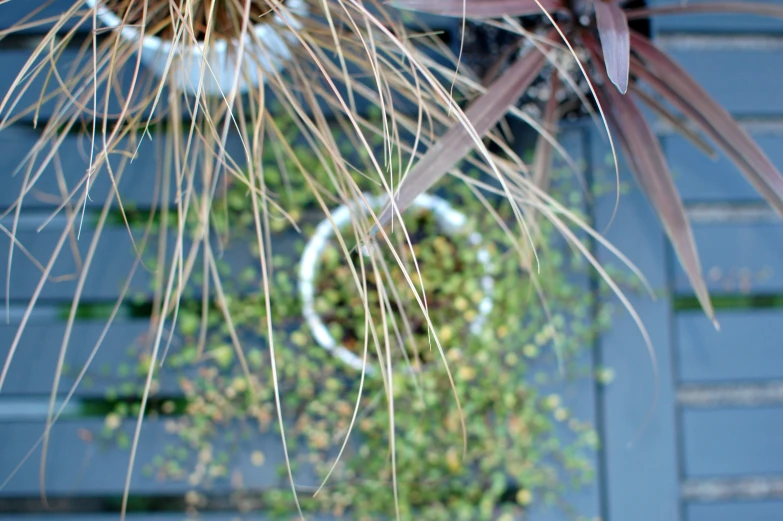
{"x":266,"y":51}
{"x":450,"y":222}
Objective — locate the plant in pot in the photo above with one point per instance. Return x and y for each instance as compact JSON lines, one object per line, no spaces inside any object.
{"x":597,"y":53}
{"x":325,"y":282}
{"x":392,"y":424}
{"x":209,"y":82}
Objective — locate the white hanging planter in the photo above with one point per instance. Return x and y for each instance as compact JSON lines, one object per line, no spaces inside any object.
{"x":450,"y":222}
{"x":266,"y":51}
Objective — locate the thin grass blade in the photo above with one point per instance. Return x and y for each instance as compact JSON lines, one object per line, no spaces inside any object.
{"x":478,"y":9}
{"x":615,"y":41}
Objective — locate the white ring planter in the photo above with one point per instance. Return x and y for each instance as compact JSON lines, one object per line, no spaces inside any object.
{"x":450,"y":221}
{"x":266,"y":51}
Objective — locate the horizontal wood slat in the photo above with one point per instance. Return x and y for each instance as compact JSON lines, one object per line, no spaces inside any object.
{"x":738,"y":258}
{"x":700,"y":179}
{"x":749,"y":346}
{"x":42,"y":99}
{"x":13,"y":12}
{"x":33,"y":367}
{"x":139,"y":183}
{"x":732,"y":442}
{"x":725,"y":511}
{"x":743,"y":81}
{"x":724,"y":23}
{"x":97,"y":468}
{"x":113,"y":261}
{"x":71,"y":61}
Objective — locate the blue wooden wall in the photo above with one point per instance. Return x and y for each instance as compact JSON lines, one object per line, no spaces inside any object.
{"x":703,"y":443}
{"x":698,"y":440}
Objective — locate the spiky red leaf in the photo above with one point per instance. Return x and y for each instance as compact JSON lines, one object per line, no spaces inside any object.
{"x":615,"y":41}
{"x":683,"y":92}
{"x":648,"y":163}
{"x":679,"y":126}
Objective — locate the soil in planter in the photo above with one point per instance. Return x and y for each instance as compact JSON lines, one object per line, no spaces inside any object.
{"x":451,"y":272}
{"x":226,"y":16}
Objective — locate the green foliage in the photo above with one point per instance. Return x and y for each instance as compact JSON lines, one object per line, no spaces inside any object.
{"x":523,"y":446}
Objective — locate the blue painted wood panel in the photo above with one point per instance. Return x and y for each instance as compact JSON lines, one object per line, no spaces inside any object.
{"x":639,"y":442}
{"x":742,"y":81}
{"x":14,"y":11}
{"x":724,"y":23}
{"x":72,"y":62}
{"x":700,"y":179}
{"x":738,"y":258}
{"x":34,"y":363}
{"x":94,"y":468}
{"x":744,"y":511}
{"x":732,"y":442}
{"x":749,"y":346}
{"x":136,"y":180}
{"x":115,"y":250}
{"x":113,"y":262}
{"x":577,"y":392}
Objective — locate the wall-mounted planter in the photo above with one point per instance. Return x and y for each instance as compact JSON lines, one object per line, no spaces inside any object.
{"x":449,"y":220}
{"x":266,"y":50}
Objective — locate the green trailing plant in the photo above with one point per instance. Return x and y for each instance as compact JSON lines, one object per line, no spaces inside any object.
{"x":453,"y":274}
{"x":624,"y":71}
{"x":342,"y":425}
{"x":195,"y":77}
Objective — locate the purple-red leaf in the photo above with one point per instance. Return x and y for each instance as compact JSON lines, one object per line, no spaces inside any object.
{"x":615,"y":41}
{"x":684,"y":93}
{"x":648,"y":163}
{"x":477,"y":9}
{"x":483,"y":114}
{"x":652,"y":173}
{"x":681,"y":127}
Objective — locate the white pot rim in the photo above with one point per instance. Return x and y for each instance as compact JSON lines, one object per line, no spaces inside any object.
{"x":112,"y":21}
{"x":275,"y":35}
{"x":451,"y":222}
